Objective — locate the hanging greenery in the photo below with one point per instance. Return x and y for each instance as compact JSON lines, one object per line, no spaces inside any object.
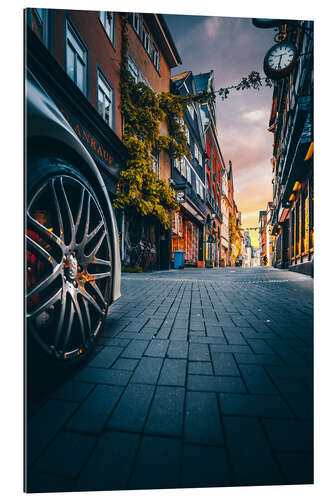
{"x":142,"y":112}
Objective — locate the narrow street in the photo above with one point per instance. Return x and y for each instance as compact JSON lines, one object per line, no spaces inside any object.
{"x":202,"y":377}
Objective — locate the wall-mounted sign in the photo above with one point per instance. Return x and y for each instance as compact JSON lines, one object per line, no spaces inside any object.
{"x":97,"y":150}
{"x":180,"y":196}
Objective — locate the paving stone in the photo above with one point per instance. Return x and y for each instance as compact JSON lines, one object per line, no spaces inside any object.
{"x":258,"y":405}
{"x":259,"y":346}
{"x":298,"y":397}
{"x":166,"y":412}
{"x":215,"y":384}
{"x":135,"y":349}
{"x":128,"y":364}
{"x":204,"y":466}
{"x":66,"y":455}
{"x":173,"y":372}
{"x":297,"y":467}
{"x":147,"y":371}
{"x":178,"y":334}
{"x":114,"y":341}
{"x":234,"y":337}
{"x":289,"y":435}
{"x":251,"y":458}
{"x":200,"y":368}
{"x":158,"y":464}
{"x":260,"y":359}
{"x":73,"y":391}
{"x":177,"y":349}
{"x":45,"y":424}
{"x":198,"y":352}
{"x":109,"y":467}
{"x":242,"y":349}
{"x":94,"y":412}
{"x":132,"y":409}
{"x":106,"y":357}
{"x":195,"y":339}
{"x":202,"y":419}
{"x":103,"y":376}
{"x":38,"y":482}
{"x":257,"y":380}
{"x":157,"y":348}
{"x":224,"y":364}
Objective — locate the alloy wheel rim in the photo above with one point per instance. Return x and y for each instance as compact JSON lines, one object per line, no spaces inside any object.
{"x":69,"y":276}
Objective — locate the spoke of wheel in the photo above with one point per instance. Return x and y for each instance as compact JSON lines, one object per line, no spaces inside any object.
{"x":99,"y":293}
{"x":40,"y":251}
{"x":68,"y":211}
{"x":61,"y":318}
{"x":48,"y":303}
{"x":97,"y":246}
{"x":98,"y":276}
{"x":42,"y":231}
{"x":92,"y":301}
{"x":57,"y":207}
{"x":45,"y":283}
{"x":86,"y":312}
{"x":94,"y":231}
{"x":102,"y":262}
{"x":69,"y":324}
{"x":79,"y":315}
{"x":85,"y":210}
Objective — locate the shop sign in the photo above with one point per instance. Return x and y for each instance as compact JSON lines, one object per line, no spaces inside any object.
{"x":97,"y":150}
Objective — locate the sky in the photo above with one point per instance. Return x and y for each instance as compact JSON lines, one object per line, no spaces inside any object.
{"x":233,"y":47}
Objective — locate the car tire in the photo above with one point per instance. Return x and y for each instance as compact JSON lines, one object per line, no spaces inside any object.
{"x":69,"y":264}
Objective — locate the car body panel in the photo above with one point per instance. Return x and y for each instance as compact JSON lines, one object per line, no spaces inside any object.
{"x":44,"y":119}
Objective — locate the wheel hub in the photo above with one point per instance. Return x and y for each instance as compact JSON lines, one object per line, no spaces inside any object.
{"x":71,"y":267}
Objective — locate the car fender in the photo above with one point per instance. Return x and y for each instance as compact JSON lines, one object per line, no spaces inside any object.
{"x":45,"y":120}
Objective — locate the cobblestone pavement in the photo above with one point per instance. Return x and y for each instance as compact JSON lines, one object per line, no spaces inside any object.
{"x":201,"y":378}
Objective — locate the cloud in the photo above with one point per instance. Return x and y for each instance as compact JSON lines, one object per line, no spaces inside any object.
{"x":212,"y":26}
{"x":256,"y":116}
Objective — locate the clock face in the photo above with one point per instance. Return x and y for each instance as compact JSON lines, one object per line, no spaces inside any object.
{"x":279,"y":60}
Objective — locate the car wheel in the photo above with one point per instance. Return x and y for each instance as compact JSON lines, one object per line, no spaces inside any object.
{"x":69,"y":261}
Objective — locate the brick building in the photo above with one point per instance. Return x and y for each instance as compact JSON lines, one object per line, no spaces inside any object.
{"x":76,"y":56}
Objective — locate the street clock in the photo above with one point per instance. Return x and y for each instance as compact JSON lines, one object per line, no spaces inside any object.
{"x":280,"y":60}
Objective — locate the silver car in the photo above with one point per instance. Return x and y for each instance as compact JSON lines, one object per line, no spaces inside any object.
{"x":72,"y":249}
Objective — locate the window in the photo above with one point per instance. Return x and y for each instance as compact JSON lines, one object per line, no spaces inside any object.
{"x":156,"y":163}
{"x":76,"y":59}
{"x":188,"y":169}
{"x":190,"y":109}
{"x":196,"y":151}
{"x":136,"y":21}
{"x":107,"y":19}
{"x":199,"y":158}
{"x":39,"y":23}
{"x":155,"y":55}
{"x":132,"y":68}
{"x":145,"y":38}
{"x":187,"y":133}
{"x":104,"y":100}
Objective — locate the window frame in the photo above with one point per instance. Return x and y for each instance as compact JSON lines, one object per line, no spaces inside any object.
{"x":104,"y":13}
{"x":101,"y":77}
{"x":70,"y":30}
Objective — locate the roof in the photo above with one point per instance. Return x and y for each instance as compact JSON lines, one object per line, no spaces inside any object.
{"x":163,"y":37}
{"x":179,"y":79}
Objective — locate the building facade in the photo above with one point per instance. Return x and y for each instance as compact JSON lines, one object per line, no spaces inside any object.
{"x":189,"y":173}
{"x":291,"y":123}
{"x":76,"y":56}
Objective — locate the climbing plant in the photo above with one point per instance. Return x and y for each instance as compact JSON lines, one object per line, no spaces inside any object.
{"x":142,"y":111}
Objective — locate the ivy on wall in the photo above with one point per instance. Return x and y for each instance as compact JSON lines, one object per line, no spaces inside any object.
{"x":142,"y":112}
